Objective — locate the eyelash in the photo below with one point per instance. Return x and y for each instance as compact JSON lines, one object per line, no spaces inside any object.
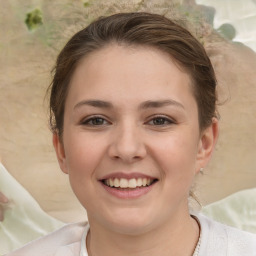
{"x":91,"y":121}
{"x":167,"y":121}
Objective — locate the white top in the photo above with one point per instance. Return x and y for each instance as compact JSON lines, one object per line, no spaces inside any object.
{"x":216,"y":240}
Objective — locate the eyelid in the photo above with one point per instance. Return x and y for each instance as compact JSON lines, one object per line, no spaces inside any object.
{"x":167,"y":118}
{"x":85,"y":120}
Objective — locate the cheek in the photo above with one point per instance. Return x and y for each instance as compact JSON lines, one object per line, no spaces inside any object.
{"x":176,"y":155}
{"x":83,"y":154}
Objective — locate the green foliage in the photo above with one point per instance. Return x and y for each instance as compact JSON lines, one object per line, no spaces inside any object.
{"x":86,"y":4}
{"x":34,"y":19}
{"x":227,"y":30}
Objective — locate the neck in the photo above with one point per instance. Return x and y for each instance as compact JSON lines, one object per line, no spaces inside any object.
{"x":167,"y":239}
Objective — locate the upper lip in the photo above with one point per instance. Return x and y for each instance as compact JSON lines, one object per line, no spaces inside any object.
{"x":119,"y":175}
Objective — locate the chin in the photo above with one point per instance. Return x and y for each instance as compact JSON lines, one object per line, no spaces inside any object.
{"x":130,"y":228}
{"x":129,"y":222}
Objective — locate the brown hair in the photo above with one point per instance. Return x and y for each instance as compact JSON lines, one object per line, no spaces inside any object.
{"x":142,"y":29}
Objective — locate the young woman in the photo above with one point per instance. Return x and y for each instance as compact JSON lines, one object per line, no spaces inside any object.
{"x":133,"y":116}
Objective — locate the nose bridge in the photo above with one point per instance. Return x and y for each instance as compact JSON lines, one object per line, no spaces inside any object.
{"x":127,"y":142}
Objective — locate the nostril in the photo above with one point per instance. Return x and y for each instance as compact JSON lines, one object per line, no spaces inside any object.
{"x":127,"y":148}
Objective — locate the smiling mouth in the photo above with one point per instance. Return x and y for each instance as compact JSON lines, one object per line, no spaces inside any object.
{"x":123,"y":184}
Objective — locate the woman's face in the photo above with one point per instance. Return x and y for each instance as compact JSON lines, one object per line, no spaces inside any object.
{"x":131,"y":120}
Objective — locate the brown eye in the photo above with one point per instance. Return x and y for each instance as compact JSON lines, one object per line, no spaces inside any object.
{"x":95,"y":121}
{"x":160,"y":121}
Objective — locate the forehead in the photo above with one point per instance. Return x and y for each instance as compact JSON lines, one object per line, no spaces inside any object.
{"x":129,"y":72}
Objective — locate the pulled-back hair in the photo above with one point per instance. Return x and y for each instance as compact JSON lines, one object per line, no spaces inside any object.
{"x":136,"y":29}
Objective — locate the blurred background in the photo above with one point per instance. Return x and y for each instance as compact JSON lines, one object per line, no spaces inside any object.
{"x":32,"y":33}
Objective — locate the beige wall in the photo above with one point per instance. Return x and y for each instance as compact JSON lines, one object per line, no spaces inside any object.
{"x":25,"y":141}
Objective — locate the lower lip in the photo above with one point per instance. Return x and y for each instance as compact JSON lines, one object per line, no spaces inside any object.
{"x":128,"y":193}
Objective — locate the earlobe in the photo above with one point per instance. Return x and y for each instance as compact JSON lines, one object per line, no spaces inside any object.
{"x":60,"y":152}
{"x":207,"y":144}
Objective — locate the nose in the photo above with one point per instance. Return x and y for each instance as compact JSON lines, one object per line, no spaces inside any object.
{"x":127,"y":144}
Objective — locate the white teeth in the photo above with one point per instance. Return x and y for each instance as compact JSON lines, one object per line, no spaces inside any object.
{"x":125,"y":183}
{"x":116,"y":183}
{"x":111,"y":182}
{"x":139,"y":182}
{"x":132,"y":183}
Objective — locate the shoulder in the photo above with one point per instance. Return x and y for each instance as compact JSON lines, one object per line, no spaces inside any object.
{"x":219,"y":239}
{"x":64,"y":241}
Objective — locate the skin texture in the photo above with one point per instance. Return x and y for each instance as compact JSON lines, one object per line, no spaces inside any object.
{"x":131,"y":136}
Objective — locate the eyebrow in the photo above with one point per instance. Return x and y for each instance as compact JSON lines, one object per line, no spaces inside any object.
{"x":94,"y":103}
{"x":160,"y":103}
{"x":144,"y":105}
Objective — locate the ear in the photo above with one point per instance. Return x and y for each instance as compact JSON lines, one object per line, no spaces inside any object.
{"x":60,"y":152}
{"x":206,"y":144}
